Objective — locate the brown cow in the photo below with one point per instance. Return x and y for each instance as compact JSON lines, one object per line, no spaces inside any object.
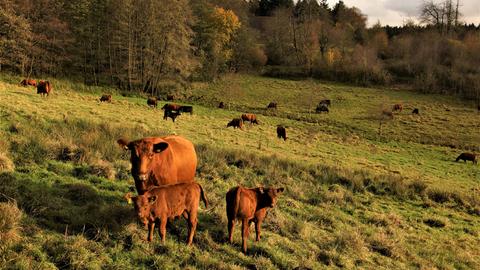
{"x":322,"y":108}
{"x":152,"y":102}
{"x":26,"y":82}
{"x":171,"y":107}
{"x":170,"y":97}
{"x":250,"y":117}
{"x":44,"y":88}
{"x":236,"y":123}
{"x":249,"y":205}
{"x":415,"y":111}
{"x":272,"y":105}
{"x":281,"y":133}
{"x":160,"y":161}
{"x":161,"y":203}
{"x":106,"y":98}
{"x":397,"y":107}
{"x":467,"y":156}
{"x":221,"y":105}
{"x":326,"y":102}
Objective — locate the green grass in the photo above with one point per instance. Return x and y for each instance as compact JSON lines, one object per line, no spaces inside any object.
{"x":355,"y":198}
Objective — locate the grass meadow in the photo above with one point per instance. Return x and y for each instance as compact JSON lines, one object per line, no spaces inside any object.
{"x":361,"y":192}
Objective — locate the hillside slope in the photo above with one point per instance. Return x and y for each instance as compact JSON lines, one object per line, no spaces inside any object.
{"x":355,"y":197}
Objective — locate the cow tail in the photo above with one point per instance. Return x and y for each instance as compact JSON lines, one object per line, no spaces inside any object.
{"x":237,"y":201}
{"x":202,"y":194}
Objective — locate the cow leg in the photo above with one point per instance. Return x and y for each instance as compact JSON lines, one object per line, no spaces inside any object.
{"x":163,"y":228}
{"x":151,"y":226}
{"x":192,"y":226}
{"x":257,"y":229}
{"x":231,"y":226}
{"x":245,"y":233}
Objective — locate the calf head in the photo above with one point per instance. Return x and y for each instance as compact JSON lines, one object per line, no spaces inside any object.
{"x":268,"y":196}
{"x":142,"y":156}
{"x":143,"y":205}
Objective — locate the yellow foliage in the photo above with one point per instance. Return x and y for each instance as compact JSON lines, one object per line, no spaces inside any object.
{"x":333,"y":55}
{"x":226,"y":23}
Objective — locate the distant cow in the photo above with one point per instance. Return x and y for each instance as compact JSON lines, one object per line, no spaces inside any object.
{"x":415,"y":111}
{"x":321,"y":108}
{"x":236,"y":123}
{"x":281,"y":133}
{"x":170,"y":97}
{"x":186,"y":109}
{"x":249,"y":205}
{"x":326,"y":102}
{"x":152,"y":102}
{"x":467,"y":156}
{"x":26,"y":82}
{"x":221,"y":105}
{"x":161,"y":203}
{"x":250,"y":117}
{"x":397,"y":107}
{"x":106,"y":98}
{"x":171,"y":114}
{"x":160,"y":161}
{"x":171,"y":107}
{"x":387,"y":113}
{"x":44,"y":88}
{"x":272,"y":105}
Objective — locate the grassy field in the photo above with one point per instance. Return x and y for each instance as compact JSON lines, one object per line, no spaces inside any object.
{"x":355,"y":197}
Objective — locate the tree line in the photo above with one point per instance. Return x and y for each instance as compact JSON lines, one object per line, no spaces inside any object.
{"x":158,"y":45}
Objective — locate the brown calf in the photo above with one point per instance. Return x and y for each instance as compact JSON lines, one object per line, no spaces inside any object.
{"x":397,"y":107}
{"x":281,"y":133}
{"x":221,"y":105}
{"x":159,"y":204}
{"x":250,"y":117}
{"x":272,"y":105}
{"x":171,"y":107}
{"x":236,"y":123}
{"x":388,"y":114}
{"x":467,"y":156}
{"x":26,"y":82}
{"x":106,"y":98}
{"x":249,"y":205}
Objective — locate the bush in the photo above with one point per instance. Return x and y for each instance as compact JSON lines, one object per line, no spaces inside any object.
{"x":10,"y":217}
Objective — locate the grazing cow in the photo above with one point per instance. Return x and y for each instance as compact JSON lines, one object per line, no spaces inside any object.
{"x":249,"y":205}
{"x":44,"y":88}
{"x":152,"y":102}
{"x":170,"y":97}
{"x":161,"y":203}
{"x":387,"y":113}
{"x":160,"y":161}
{"x":467,"y":156}
{"x":221,"y":105}
{"x":321,"y":108}
{"x":326,"y":102}
{"x":106,"y":98}
{"x":236,"y":123}
{"x":171,"y":114}
{"x":415,"y":111}
{"x":26,"y":82}
{"x":250,"y":117}
{"x":397,"y":107}
{"x":272,"y":105}
{"x":281,"y":133}
{"x":171,"y":107}
{"x":186,"y":109}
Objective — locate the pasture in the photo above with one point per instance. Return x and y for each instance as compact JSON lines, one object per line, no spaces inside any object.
{"x":355,"y":196}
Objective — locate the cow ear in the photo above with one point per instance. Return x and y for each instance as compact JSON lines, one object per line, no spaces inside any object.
{"x":280,"y":190}
{"x":123,"y":143}
{"x":152,"y":199}
{"x":159,"y":147}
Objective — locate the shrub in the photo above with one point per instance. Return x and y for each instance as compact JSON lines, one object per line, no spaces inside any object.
{"x":10,"y":217}
{"x":103,"y":168}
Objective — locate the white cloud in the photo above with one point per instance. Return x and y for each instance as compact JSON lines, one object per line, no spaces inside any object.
{"x":396,"y":12}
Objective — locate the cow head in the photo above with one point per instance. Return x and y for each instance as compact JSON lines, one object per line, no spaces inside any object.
{"x":142,"y":155}
{"x":143,"y":206}
{"x":268,"y":196}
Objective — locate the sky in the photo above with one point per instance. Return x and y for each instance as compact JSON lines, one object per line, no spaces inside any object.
{"x":396,"y":12}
